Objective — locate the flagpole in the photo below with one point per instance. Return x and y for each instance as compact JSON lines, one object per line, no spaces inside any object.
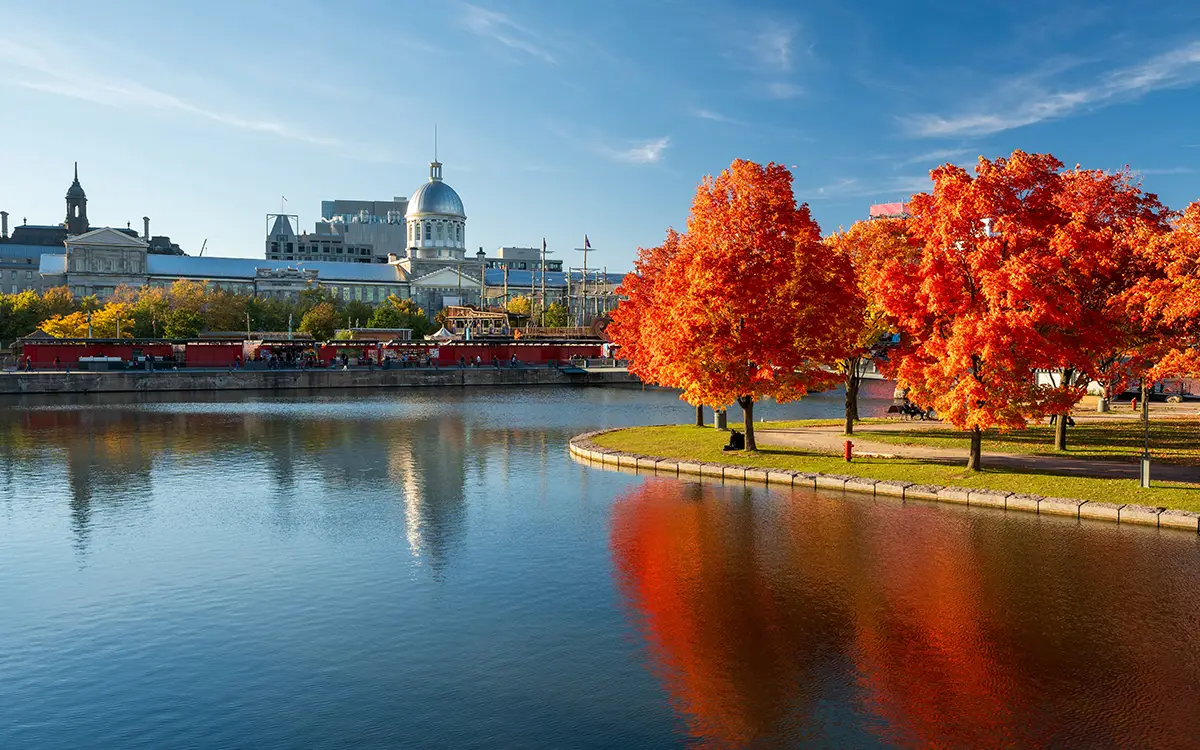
{"x":543,"y":281}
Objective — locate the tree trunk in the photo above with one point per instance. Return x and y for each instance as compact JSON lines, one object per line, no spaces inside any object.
{"x":700,"y":416}
{"x":747,"y":404}
{"x":1060,"y":432}
{"x":851,"y":401}
{"x":974,"y":461}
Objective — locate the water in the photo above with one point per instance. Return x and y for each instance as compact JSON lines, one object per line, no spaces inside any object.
{"x":431,"y":569}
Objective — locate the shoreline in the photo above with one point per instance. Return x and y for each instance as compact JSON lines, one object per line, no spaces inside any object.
{"x":582,"y":448}
{"x":168,"y":381}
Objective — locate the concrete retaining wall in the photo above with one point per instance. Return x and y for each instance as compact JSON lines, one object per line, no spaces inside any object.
{"x":220,"y":380}
{"x":583,"y":448}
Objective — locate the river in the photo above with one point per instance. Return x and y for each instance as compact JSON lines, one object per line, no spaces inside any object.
{"x":431,"y":569}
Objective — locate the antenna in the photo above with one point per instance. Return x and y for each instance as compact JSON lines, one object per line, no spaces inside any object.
{"x":202,"y":248}
{"x":435,"y":141}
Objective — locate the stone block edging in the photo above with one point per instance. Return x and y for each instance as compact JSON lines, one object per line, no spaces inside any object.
{"x":582,"y":447}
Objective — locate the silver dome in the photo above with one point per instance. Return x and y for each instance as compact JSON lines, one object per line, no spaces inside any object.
{"x":435,"y":197}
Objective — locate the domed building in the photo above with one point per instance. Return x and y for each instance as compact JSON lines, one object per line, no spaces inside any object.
{"x":436,"y":220}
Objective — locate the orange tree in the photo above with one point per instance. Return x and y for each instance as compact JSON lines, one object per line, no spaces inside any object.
{"x":753,"y":297}
{"x":644,"y":315}
{"x":1087,"y":265}
{"x":870,"y":247}
{"x":1170,"y":299}
{"x":968,"y":311}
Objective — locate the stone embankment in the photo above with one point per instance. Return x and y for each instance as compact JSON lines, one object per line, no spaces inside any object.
{"x":582,"y":447}
{"x":16,"y":383}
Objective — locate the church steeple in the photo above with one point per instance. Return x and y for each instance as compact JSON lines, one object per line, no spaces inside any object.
{"x":77,"y":221}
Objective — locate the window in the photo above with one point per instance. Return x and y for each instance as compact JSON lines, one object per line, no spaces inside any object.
{"x":14,"y":288}
{"x":29,"y":274}
{"x":428,"y":232}
{"x":281,"y":237}
{"x":459,"y":233}
{"x":439,"y":231}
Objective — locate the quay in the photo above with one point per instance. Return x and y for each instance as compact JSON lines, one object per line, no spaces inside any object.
{"x":183,"y":380}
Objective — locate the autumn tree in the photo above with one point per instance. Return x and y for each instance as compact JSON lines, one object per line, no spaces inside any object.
{"x":71,"y":326}
{"x":644,"y":314}
{"x":869,"y":247}
{"x":183,"y":323}
{"x":1169,"y":299}
{"x":321,"y":321}
{"x":985,"y":306}
{"x":757,"y":296}
{"x":556,"y":315}
{"x":1094,"y":262}
{"x":58,"y":300}
{"x":520,"y":305}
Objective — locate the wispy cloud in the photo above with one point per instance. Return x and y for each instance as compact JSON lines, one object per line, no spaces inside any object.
{"x":1026,"y":100}
{"x":855,"y":187}
{"x":782,"y":90}
{"x":644,"y":152}
{"x":30,"y":68}
{"x":937,"y":156}
{"x":708,"y":114}
{"x":503,"y":29}
{"x":773,"y":47}
{"x":1166,"y":170}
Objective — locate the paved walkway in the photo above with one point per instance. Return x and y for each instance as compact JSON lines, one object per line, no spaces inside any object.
{"x":831,"y":440}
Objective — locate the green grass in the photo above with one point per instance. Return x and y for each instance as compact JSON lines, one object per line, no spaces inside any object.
{"x":1175,"y":441}
{"x":792,"y":424}
{"x":704,"y":444}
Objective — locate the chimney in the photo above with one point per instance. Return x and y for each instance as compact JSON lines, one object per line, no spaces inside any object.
{"x":3,"y":225}
{"x":392,"y":258}
{"x":146,"y":228}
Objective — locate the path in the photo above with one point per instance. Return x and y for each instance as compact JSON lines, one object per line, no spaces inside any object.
{"x":831,"y":440}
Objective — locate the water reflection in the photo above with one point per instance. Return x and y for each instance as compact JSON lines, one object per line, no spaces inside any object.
{"x":770,"y":617}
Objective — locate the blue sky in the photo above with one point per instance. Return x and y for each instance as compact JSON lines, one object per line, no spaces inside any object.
{"x":562,"y":118}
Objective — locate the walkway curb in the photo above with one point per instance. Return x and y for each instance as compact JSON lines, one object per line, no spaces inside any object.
{"x":582,"y":447}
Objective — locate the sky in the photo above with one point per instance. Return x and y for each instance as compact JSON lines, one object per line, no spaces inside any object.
{"x":559,"y":119}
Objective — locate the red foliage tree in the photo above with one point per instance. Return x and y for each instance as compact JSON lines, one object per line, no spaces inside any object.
{"x":746,"y":304}
{"x":870,"y":247}
{"x":968,"y":344}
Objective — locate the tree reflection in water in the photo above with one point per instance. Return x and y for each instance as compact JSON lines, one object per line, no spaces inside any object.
{"x":771,"y":617}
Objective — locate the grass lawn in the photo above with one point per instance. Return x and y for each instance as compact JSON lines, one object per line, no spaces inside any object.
{"x":1175,"y":441}
{"x":704,"y":444}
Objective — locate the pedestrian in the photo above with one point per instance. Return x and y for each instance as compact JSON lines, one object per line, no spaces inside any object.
{"x":512,"y":362}
{"x":478,"y":360}
{"x":28,"y":364}
{"x":56,"y":363}
{"x":1133,"y":403}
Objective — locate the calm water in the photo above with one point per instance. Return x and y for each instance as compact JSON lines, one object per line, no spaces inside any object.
{"x":431,"y":569}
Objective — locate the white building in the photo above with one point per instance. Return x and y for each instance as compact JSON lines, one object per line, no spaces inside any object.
{"x":436,"y":220}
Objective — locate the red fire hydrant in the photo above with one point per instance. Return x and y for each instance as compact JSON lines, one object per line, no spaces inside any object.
{"x":849,"y":450}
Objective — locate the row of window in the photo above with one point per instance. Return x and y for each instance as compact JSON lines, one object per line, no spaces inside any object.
{"x":521,"y":265}
{"x":13,"y":274}
{"x":454,"y":232}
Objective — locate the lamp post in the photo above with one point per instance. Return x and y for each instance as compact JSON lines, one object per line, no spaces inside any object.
{"x":1145,"y":473}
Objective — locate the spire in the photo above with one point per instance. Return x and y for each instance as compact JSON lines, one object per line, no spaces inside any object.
{"x":77,"y":171}
{"x":435,"y":166}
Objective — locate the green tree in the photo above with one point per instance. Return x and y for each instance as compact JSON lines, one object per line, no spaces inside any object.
{"x":183,"y":324}
{"x":321,"y":321}
{"x":386,"y":316}
{"x":556,"y":316}
{"x":356,"y":313}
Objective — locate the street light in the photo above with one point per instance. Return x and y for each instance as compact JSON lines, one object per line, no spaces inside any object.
{"x":1145,"y":473}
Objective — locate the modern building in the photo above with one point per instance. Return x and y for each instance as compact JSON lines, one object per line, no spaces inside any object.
{"x":285,"y":245}
{"x":897,"y":210}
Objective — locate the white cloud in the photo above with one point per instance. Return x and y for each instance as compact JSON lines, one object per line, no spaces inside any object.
{"x":1166,"y":170}
{"x":937,"y":156}
{"x":773,"y":47}
{"x":708,"y":114}
{"x":1025,"y":101}
{"x":29,"y":68}
{"x":505,"y":30}
{"x":900,"y":187}
{"x":782,"y":90}
{"x":645,"y":152}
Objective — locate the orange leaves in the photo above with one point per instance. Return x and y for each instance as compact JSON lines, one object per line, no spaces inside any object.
{"x":746,"y":303}
{"x":1023,"y":267}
